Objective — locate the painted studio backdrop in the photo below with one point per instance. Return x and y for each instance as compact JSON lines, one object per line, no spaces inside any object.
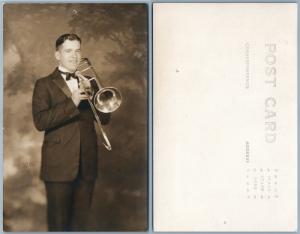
{"x":114,"y":38}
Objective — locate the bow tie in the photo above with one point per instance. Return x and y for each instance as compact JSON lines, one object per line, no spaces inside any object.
{"x":69,"y":75}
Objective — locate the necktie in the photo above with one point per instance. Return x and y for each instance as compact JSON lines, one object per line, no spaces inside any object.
{"x":69,"y":75}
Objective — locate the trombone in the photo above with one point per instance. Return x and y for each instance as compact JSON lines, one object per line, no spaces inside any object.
{"x":103,"y":99}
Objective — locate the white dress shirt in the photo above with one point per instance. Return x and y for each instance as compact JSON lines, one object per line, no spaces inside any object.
{"x":72,"y":83}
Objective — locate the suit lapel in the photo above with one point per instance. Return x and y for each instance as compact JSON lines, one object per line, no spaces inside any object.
{"x":60,"y":82}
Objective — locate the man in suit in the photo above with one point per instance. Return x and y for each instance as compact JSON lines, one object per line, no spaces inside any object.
{"x":69,"y":150}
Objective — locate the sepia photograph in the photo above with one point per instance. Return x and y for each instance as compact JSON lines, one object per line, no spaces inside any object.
{"x":75,"y":117}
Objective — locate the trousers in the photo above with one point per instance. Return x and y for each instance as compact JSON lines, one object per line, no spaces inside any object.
{"x":69,"y":203}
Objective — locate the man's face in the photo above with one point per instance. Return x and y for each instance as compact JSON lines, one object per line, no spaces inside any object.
{"x":69,"y":55}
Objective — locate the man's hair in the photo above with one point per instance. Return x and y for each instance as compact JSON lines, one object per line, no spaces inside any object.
{"x":64,"y":37}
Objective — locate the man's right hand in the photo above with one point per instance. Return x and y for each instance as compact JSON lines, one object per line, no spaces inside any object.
{"x":78,"y":95}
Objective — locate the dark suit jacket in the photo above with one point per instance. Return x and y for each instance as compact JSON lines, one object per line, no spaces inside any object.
{"x":70,"y":140}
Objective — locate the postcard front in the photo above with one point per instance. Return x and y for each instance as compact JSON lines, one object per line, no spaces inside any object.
{"x":75,"y":117}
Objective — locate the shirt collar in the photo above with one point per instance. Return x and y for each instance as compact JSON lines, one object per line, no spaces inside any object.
{"x":63,"y":69}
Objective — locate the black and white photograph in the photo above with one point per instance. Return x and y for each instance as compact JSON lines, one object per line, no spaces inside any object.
{"x":75,"y":117}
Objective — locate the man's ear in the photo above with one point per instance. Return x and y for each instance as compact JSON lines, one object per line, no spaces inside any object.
{"x":57,"y":55}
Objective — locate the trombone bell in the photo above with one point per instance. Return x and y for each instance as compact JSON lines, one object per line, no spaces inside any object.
{"x":107,"y":99}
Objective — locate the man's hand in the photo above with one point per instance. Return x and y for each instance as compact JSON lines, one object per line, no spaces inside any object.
{"x":78,"y":95}
{"x":84,"y":83}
